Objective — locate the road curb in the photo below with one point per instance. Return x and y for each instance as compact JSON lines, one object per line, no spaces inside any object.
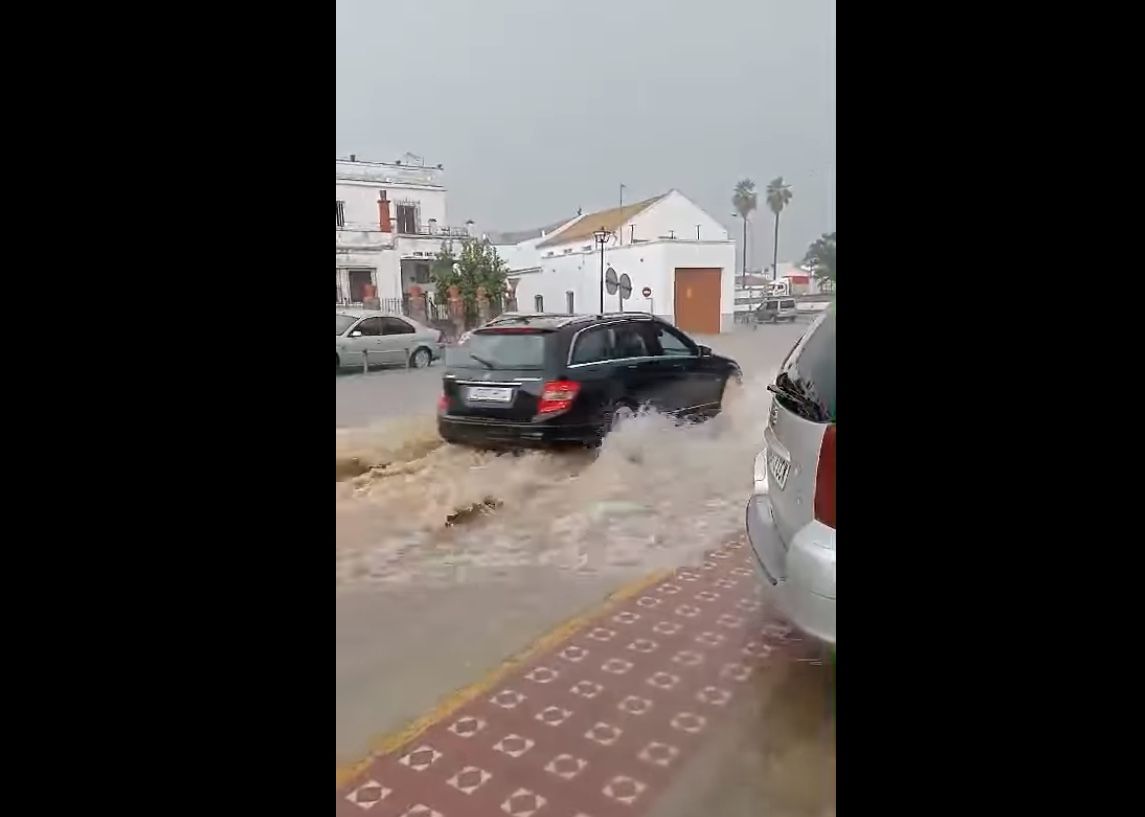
{"x":393,"y":741}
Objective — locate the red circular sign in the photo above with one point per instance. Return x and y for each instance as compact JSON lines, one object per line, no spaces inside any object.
{"x":646,"y":292}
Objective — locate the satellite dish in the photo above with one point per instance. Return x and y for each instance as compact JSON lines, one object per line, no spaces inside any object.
{"x":610,"y":280}
{"x":625,"y":285}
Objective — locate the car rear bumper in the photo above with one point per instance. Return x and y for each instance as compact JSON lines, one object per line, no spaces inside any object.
{"x":479,"y":431}
{"x":803,"y":574}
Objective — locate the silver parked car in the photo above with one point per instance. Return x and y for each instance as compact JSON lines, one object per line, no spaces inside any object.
{"x":365,"y":336}
{"x":791,"y":513}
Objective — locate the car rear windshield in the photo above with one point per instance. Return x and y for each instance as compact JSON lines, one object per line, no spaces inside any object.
{"x":810,"y":369}
{"x":503,"y":349}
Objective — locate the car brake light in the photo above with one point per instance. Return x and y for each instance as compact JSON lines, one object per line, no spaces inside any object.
{"x":442,"y":404}
{"x":557,"y":395}
{"x":825,"y":480}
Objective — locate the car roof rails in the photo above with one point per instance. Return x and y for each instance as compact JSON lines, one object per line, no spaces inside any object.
{"x":602,"y":315}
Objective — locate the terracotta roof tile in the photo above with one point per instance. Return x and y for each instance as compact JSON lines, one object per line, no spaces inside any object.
{"x":611,"y":220}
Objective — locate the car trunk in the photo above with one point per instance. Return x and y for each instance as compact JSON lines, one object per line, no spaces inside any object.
{"x":497,"y":374}
{"x":795,"y":428}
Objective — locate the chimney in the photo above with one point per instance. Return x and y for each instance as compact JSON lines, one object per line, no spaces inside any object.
{"x":384,"y":214}
{"x":353,"y":157}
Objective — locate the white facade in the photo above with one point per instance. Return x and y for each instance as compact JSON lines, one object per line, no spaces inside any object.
{"x":391,"y":222}
{"x":649,"y":246}
{"x":649,"y":264}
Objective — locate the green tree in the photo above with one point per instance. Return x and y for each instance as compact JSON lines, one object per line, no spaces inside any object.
{"x":778,"y":195}
{"x":820,"y":258}
{"x":442,"y":273}
{"x":477,"y":265}
{"x":744,"y":200}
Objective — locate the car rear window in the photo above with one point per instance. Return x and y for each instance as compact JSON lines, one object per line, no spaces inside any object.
{"x":787,"y":305}
{"x":811,"y":365}
{"x":503,"y":349}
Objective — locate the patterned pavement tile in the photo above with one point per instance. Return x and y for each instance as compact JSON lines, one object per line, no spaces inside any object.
{"x":600,"y":724}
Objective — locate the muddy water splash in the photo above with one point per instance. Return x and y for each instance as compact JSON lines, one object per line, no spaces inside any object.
{"x":410,"y":508}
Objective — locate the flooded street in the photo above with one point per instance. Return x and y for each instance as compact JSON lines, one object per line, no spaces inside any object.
{"x":413,"y":510}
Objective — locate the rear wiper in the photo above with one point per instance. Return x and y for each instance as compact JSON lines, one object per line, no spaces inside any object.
{"x":801,"y":400}
{"x":482,"y":361}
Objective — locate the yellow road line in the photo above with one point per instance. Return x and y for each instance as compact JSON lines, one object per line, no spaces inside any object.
{"x":455,"y":700}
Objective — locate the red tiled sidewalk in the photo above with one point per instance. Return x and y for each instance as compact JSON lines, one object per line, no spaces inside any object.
{"x":597,"y":726}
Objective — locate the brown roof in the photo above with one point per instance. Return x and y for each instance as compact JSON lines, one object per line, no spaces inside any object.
{"x":611,"y":220}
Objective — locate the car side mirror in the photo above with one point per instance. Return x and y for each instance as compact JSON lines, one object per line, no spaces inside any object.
{"x":705,"y":351}
{"x":357,"y":333}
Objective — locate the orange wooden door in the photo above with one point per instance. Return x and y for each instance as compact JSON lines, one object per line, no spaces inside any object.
{"x":698,"y":299}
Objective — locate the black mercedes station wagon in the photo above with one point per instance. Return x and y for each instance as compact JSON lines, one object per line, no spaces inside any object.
{"x":532,"y":379}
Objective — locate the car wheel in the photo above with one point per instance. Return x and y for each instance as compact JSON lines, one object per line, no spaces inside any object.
{"x":620,"y":416}
{"x":617,"y":416}
{"x":420,"y":359}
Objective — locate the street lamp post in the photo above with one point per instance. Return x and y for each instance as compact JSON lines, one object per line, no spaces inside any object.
{"x":601,"y":236}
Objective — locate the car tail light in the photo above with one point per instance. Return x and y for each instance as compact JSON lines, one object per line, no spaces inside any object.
{"x":442,"y":404}
{"x":557,"y":395}
{"x":825,"y":480}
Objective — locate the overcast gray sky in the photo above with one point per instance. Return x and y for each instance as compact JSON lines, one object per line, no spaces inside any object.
{"x":538,"y":107}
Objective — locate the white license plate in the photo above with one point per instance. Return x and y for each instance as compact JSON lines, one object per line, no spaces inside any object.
{"x":489,"y":394}
{"x":778,"y":468}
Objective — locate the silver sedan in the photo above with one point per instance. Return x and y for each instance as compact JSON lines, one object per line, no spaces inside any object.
{"x":369,"y":338}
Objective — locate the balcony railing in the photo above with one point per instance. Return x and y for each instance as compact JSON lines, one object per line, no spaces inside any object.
{"x":434,"y":230}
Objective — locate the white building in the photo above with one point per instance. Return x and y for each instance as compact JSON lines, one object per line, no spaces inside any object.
{"x":666,"y":244}
{"x":391,"y":221}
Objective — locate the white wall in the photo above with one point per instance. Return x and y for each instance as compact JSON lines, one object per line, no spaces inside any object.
{"x":674,"y":212}
{"x":651,"y":264}
{"x":521,"y":256}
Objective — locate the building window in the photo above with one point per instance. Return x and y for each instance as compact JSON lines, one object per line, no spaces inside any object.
{"x":407,"y":219}
{"x":341,"y":218}
{"x":421,"y":274}
{"x":360,"y":281}
{"x":538,"y":303}
{"x":569,"y":302}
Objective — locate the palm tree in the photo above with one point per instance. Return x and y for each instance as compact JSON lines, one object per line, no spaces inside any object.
{"x":778,"y":194}
{"x":744,"y":200}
